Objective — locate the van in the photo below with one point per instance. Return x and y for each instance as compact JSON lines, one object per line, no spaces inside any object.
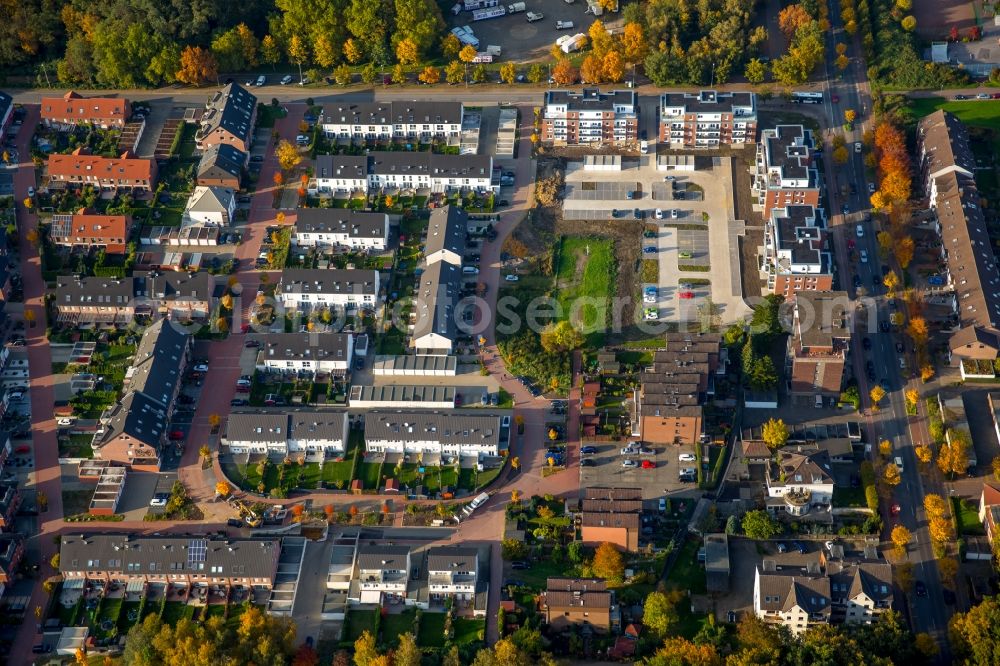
{"x":261,"y":80}
{"x":480,"y":499}
{"x":819,"y":402}
{"x":899,"y":463}
{"x":470,"y":270}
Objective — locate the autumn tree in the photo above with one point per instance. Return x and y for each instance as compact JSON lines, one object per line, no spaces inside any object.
{"x":430,"y":75}
{"x":791,"y":18}
{"x":917,"y":330}
{"x":934,"y":506}
{"x":660,"y":612}
{"x":901,"y":538}
{"x":450,"y":46}
{"x":940,"y":530}
{"x":926,"y":645}
{"x":924,"y":454}
{"x":407,"y":653}
{"x":613,"y":67}
{"x":774,"y":433}
{"x":885,"y":448}
{"x":398,"y":74}
{"x":508,"y":73}
{"x":468,"y":53}
{"x":223,"y":489}
{"x":365,"y":651}
{"x":891,"y":281}
{"x":842,"y":62}
{"x":755,"y":71}
{"x":633,"y":42}
{"x":600,"y":39}
{"x":609,"y":564}
{"x":298,"y":52}
{"x":953,"y":454}
{"x":841,"y":155}
{"x":407,"y":52}
{"x":454,"y":72}
{"x":197,"y":66}
{"x":564,"y":73}
{"x":591,"y":70}
{"x":342,"y":75}
{"x":903,"y":250}
{"x":288,"y":155}
{"x":891,"y":475}
{"x":270,"y":52}
{"x":561,"y":337}
{"x":948,"y":568}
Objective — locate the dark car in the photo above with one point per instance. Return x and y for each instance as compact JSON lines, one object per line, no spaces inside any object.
{"x":900,"y":348}
{"x":884,"y":383}
{"x":884,"y":326}
{"x":866,"y":343}
{"x":588,"y":449}
{"x":238,"y":402}
{"x":799,"y":546}
{"x":649,"y":249}
{"x":960,"y":97}
{"x":359,"y":364}
{"x":185,"y":399}
{"x":857,"y":281}
{"x":920,"y":588}
{"x":257,"y":158}
{"x":251,"y":343}
{"x":587,"y":462}
{"x":870,"y":367}
{"x":637,"y":214}
{"x":854,"y":188}
{"x":234,"y":522}
{"x":949,"y":596}
{"x":519,"y":565}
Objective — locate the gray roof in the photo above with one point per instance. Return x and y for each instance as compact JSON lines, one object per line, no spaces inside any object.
{"x":446,"y":230}
{"x":341,"y":166}
{"x":608,"y":493}
{"x":430,"y":164}
{"x":172,"y":285}
{"x":257,"y":427}
{"x":708,"y":101}
{"x":812,"y":467}
{"x":417,"y":363}
{"x":781,"y":592}
{"x":157,"y":363}
{"x":318,"y":425}
{"x":592,"y":99}
{"x":463,"y":428}
{"x":825,"y":314}
{"x":717,"y":552}
{"x":231,"y":109}
{"x":789,"y":149}
{"x":140,"y":417}
{"x":329,"y":281}
{"x":452,"y":558}
{"x":393,"y":113}
{"x":131,"y":554}
{"x":402,"y":393}
{"x":799,"y":230}
{"x":381,"y":558}
{"x":435,"y":301}
{"x":305,"y":346}
{"x":94,"y":291}
{"x":222,"y":160}
{"x":210,"y":199}
{"x":355,"y":223}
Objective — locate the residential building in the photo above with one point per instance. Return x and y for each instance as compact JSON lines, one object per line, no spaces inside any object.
{"x":946,"y":166}
{"x":818,"y":346}
{"x":72,"y":109}
{"x":306,"y":353}
{"x":798,"y":602}
{"x":403,"y":396}
{"x":717,"y":569}
{"x":133,"y":431}
{"x":453,"y":433}
{"x":415,"y":365}
{"x":11,"y":554}
{"x":446,"y":233}
{"x":799,"y":481}
{"x":382,"y":573}
{"x":229,"y":118}
{"x":989,"y":511}
{"x":436,"y":327}
{"x":861,"y":590}
{"x":221,"y":165}
{"x":612,"y":515}
{"x":6,"y":113}
{"x":178,"y":295}
{"x":340,"y":175}
{"x":795,"y":257}
{"x":317,"y":288}
{"x":341,"y":228}
{"x":581,"y":602}
{"x":344,"y":175}
{"x":131,"y":559}
{"x":108,"y":491}
{"x":91,"y":230}
{"x":91,"y":301}
{"x":785,"y":174}
{"x":452,"y":571}
{"x":708,"y":119}
{"x":125,"y":172}
{"x":280,"y":434}
{"x":383,"y":121}
{"x":669,"y":401}
{"x":590,"y":116}
{"x":10,"y":502}
{"x":210,"y":205}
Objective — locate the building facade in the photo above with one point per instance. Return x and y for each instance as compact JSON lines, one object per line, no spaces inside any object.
{"x":304,"y":289}
{"x":581,"y":602}
{"x":590,"y":116}
{"x":306,"y":353}
{"x":469,"y":434}
{"x":452,"y":571}
{"x":73,"y":109}
{"x":707,"y":119}
{"x":392,"y":120}
{"x":111,"y":174}
{"x":340,"y":228}
{"x":795,"y":257}
{"x":785,"y":174}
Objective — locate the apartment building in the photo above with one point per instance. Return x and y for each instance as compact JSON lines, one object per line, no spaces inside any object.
{"x":785,"y":174}
{"x":10,"y":502}
{"x":214,"y":206}
{"x":708,"y":119}
{"x":580,"y":602}
{"x":467,"y":433}
{"x":799,"y":481}
{"x":341,"y":229}
{"x":280,"y":434}
{"x":94,"y":301}
{"x":452,"y":571}
{"x":11,"y":554}
{"x":340,"y":175}
{"x":795,"y":257}
{"x":86,"y":230}
{"x":612,"y":515}
{"x":819,"y":344}
{"x":229,"y":118}
{"x":125,"y":172}
{"x":673,"y":390}
{"x":392,"y":120}
{"x":946,"y":165}
{"x":73,"y":109}
{"x":6,"y":112}
{"x":303,"y":289}
{"x":799,"y":602}
{"x":189,"y":561}
{"x":221,"y":165}
{"x":590,"y":116}
{"x":382,"y":574}
{"x":306,"y":353}
{"x":344,"y":175}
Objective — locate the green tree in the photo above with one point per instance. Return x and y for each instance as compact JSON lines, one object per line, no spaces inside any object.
{"x":659,"y":613}
{"x":419,"y":21}
{"x":398,"y":75}
{"x":561,"y":337}
{"x":270,"y":52}
{"x":759,"y":524}
{"x":369,"y":74}
{"x":763,"y":376}
{"x":479,"y":73}
{"x":454,"y":73}
{"x":298,"y":51}
{"x":975,"y":635}
{"x":755,"y":71}
{"x":450,"y":46}
{"x":342,"y":75}
{"x":324,"y":51}
{"x":368,"y":21}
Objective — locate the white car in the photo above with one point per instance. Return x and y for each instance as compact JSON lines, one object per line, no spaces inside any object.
{"x":864,"y":256}
{"x":860,"y":231}
{"x":261,"y":80}
{"x":304,"y":81}
{"x":64,"y":422}
{"x":643,"y":145}
{"x":686,"y":457}
{"x":564,"y":25}
{"x":628,"y":451}
{"x":285,"y":80}
{"x":512,"y":278}
{"x":673,"y":213}
{"x":857,"y":147}
{"x":871,"y":188}
{"x":201,"y":367}
{"x":629,"y":463}
{"x":658,"y":213}
{"x":158,"y":501}
{"x":31,"y":191}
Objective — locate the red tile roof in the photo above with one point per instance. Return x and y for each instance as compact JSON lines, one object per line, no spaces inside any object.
{"x":73,"y":107}
{"x":77,"y":167}
{"x":991,"y":495}
{"x":90,"y":228}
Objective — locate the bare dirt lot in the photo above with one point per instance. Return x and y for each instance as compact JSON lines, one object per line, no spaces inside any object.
{"x":936,"y":17}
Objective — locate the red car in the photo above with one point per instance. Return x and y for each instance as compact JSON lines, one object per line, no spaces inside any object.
{"x":686,"y":295}
{"x":835,"y":99}
{"x":177,"y":434}
{"x":850,"y":243}
{"x":22,"y":449}
{"x":894,"y":509}
{"x":648,"y":464}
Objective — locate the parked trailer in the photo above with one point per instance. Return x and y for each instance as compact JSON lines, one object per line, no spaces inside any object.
{"x":469,"y":39}
{"x":472,"y":5}
{"x":493,"y":50}
{"x":484,"y":14}
{"x":483,"y":57}
{"x":516,"y":7}
{"x":574,"y":43}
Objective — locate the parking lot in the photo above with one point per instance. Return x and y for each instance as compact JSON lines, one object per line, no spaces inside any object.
{"x":654,"y":482}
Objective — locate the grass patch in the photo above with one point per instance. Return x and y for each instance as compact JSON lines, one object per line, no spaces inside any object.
{"x":110,"y":610}
{"x":967,"y":515}
{"x":124,"y":624}
{"x":356,"y":623}
{"x":175,"y":611}
{"x":395,"y":625}
{"x":267,"y":114}
{"x":849,"y":497}
{"x":688,"y":573}
{"x":974,"y":113}
{"x":369,"y":474}
{"x":540,"y":572}
{"x":215,"y":610}
{"x":337,"y":471}
{"x":468,"y":631}
{"x":467,"y":478}
{"x":431,"y":634}
{"x":586,"y":270}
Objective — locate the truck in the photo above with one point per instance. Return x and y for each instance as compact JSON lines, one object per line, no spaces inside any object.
{"x":564,"y":25}
{"x":573,"y":43}
{"x":464,"y":34}
{"x":484,"y":14}
{"x":493,"y":50}
{"x":535,"y":16}
{"x":515,"y":8}
{"x":472,"y":5}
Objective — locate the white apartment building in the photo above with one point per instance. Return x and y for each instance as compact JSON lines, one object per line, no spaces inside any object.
{"x":343,"y":175}
{"x":340,"y":228}
{"x":797,"y":602}
{"x":313,"y":353}
{"x":211,"y":205}
{"x":303,"y":289}
{"x":286,"y":433}
{"x":707,"y":119}
{"x":392,"y":120}
{"x":340,"y":175}
{"x":432,"y":432}
{"x":452,"y":572}
{"x":383,"y":573}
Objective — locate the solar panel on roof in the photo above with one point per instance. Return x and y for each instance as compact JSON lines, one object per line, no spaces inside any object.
{"x":197,"y":548}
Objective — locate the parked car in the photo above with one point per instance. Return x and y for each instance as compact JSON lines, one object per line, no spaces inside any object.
{"x":234,"y":522}
{"x":629,"y":464}
{"x":238,"y":402}
{"x":64,"y":422}
{"x":920,"y":588}
{"x":519,"y":565}
{"x":201,"y":367}
{"x":588,"y":450}
{"x":587,"y":462}
{"x":686,"y":458}
{"x":177,"y":434}
{"x":285,"y":80}
{"x":649,"y":249}
{"x":648,"y":464}
{"x":251,"y":343}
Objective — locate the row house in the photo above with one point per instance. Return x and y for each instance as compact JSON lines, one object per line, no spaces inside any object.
{"x":469,"y":434}
{"x":708,"y":119}
{"x":212,"y":206}
{"x":304,"y":289}
{"x":346,"y":175}
{"x":452,"y":572}
{"x":308,"y":353}
{"x":125,"y":172}
{"x":611,"y":515}
{"x":784,"y":172}
{"x":341,"y":229}
{"x":229,"y":118}
{"x":579,"y":602}
{"x":391,"y":574}
{"x":286,"y":433}
{"x":85,"y":230}
{"x":402,"y":396}
{"x":100,"y":301}
{"x":384,"y":121}
{"x":795,"y":257}
{"x":820,"y":340}
{"x":590,"y":116}
{"x":133,"y":560}
{"x":435,"y":329}
{"x":221,"y":165}
{"x":73,"y":109}
{"x":382,"y":573}
{"x":10,"y":502}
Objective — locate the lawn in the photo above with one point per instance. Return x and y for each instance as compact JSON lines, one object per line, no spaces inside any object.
{"x":539,"y":573}
{"x":109,"y":613}
{"x":355,"y":624}
{"x":174,"y":611}
{"x":337,"y":471}
{"x":967,"y":515}
{"x":152,"y":606}
{"x":688,"y":573}
{"x":586,"y":270}
{"x":431,"y":634}
{"x":124,"y":624}
{"x":848,"y":497}
{"x":467,"y":478}
{"x":437,"y":477}
{"x":395,"y":625}
{"x":214,"y":610}
{"x":973,"y":113}
{"x":369,"y":474}
{"x":66,"y":614}
{"x":468,"y":631}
